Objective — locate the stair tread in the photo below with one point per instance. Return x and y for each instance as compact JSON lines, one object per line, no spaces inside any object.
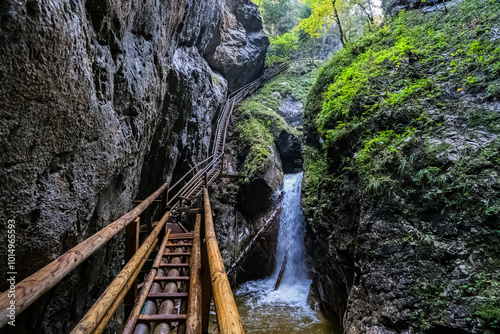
{"x":163,"y":295}
{"x":171,"y":278}
{"x":162,"y":317}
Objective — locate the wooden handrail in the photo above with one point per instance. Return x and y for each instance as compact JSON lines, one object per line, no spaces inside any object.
{"x":34,"y":286}
{"x":228,"y":317}
{"x":94,"y":316}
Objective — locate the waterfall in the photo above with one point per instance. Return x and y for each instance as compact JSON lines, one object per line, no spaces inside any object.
{"x":291,"y":233}
{"x":266,"y":310}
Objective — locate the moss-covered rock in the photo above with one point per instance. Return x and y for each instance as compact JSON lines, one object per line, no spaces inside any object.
{"x":401,"y":175}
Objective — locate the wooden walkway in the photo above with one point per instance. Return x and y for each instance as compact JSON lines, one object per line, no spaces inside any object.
{"x":184,"y":268}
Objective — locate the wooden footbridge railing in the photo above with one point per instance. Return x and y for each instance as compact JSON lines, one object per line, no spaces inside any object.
{"x":186,"y":270}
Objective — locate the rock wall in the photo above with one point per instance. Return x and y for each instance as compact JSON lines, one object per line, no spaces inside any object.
{"x":241,"y":209}
{"x":240,"y":52}
{"x":101,"y":100}
{"x":402,"y":199}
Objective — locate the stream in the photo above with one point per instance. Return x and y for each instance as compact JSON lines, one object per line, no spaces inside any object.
{"x":264,"y":310}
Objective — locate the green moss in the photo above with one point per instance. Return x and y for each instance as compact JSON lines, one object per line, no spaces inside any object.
{"x":258,"y":121}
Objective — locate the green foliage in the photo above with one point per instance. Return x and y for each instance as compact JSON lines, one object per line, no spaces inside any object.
{"x":280,"y":16}
{"x":281,"y":49}
{"x":404,"y":122}
{"x":255,"y":133}
{"x":315,"y":169}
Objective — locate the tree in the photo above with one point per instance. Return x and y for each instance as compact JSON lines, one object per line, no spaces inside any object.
{"x":279,"y":16}
{"x":324,"y":13}
{"x":281,"y":48}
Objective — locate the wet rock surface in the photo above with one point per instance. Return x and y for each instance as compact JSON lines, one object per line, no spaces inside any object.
{"x":290,"y":151}
{"x":241,"y":209}
{"x":100,"y":102}
{"x":243,"y":44}
{"x":408,"y":261}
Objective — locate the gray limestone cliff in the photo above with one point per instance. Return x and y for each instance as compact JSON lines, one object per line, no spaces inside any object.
{"x":101,"y":102}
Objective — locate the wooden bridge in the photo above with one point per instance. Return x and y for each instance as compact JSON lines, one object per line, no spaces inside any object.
{"x":185,"y":267}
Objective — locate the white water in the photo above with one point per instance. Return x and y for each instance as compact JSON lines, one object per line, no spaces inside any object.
{"x":264,"y":310}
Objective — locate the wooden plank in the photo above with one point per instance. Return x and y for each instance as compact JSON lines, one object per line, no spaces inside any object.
{"x":181,"y":236}
{"x":174,"y":265}
{"x":177,"y":254}
{"x":93,"y":317}
{"x":32,"y":287}
{"x":174,"y":278}
{"x":163,"y":295}
{"x":228,"y":317}
{"x":167,"y":306}
{"x":177,"y":245}
{"x":162,"y":317}
{"x":193,"y":324}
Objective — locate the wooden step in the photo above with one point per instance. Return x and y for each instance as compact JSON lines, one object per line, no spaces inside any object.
{"x":177,"y":254}
{"x":180,"y":236}
{"x":174,"y":265}
{"x":163,"y":317}
{"x":171,"y":278}
{"x":180,"y":245}
{"x":162,"y":295}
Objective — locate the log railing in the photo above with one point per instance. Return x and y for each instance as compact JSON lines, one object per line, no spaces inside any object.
{"x":34,"y":286}
{"x":228,"y":318}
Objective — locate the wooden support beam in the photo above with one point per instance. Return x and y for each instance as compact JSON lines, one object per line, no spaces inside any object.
{"x":228,"y":317}
{"x":193,"y":324}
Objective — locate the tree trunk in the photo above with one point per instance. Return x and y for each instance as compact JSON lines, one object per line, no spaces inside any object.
{"x":337,"y":18}
{"x":370,"y":17}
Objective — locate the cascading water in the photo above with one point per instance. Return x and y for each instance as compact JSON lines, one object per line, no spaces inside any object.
{"x":285,"y":310}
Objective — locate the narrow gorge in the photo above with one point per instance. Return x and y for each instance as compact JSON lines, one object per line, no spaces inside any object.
{"x":258,"y":166}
